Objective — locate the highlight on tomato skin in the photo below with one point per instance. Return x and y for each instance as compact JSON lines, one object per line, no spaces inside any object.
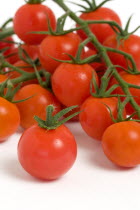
{"x":75,"y":87}
{"x":36,"y":105}
{"x":47,"y":154}
{"x":34,"y":20}
{"x":121,"y":143}
{"x":9,"y":119}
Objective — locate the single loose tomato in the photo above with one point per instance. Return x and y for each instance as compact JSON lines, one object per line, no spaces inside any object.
{"x":71,"y":83}
{"x":95,"y":116}
{"x":9,"y":119}
{"x":121,"y":143}
{"x":47,"y":154}
{"x":62,"y":45}
{"x":131,"y":45}
{"x":101,"y":31}
{"x":33,"y":17}
{"x":36,"y":105}
{"x":131,"y":79}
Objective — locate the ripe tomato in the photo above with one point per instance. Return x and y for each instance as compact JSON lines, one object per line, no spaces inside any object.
{"x":130,"y":46}
{"x":47,"y":154}
{"x":95,"y":116}
{"x":61,"y":45}
{"x":132,"y":79}
{"x":121,"y":143}
{"x":101,"y":31}
{"x":35,"y":105}
{"x":35,"y":19}
{"x":13,"y":55}
{"x":25,"y":67}
{"x":75,"y":87}
{"x":9,"y":119}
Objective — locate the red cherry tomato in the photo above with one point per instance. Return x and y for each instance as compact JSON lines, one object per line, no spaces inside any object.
{"x":130,"y":46}
{"x":101,"y":31}
{"x":121,"y":143}
{"x":71,"y":83}
{"x":36,"y":105}
{"x":33,"y":17}
{"x":9,"y":119}
{"x":61,"y":45}
{"x":131,"y":79}
{"x":2,"y":78}
{"x":95,"y":116}
{"x":47,"y":154}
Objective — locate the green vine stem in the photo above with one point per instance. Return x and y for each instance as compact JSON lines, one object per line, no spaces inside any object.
{"x":103,"y":52}
{"x":6,"y":32}
{"x":34,"y":1}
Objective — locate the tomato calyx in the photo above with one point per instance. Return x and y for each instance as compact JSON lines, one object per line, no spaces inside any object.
{"x":91,"y":5}
{"x":34,"y":1}
{"x":52,"y":122}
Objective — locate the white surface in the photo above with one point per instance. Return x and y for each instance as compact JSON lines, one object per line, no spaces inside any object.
{"x":94,"y":183}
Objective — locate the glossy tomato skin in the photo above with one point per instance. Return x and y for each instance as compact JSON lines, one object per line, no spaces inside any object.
{"x":131,"y":79}
{"x":6,"y":44}
{"x":75,"y":87}
{"x":9,"y":119}
{"x":57,"y":47}
{"x":35,"y":19}
{"x":121,"y":143}
{"x":47,"y":154}
{"x":95,"y":116}
{"x":130,"y":45}
{"x":36,"y":105}
{"x":101,"y":31}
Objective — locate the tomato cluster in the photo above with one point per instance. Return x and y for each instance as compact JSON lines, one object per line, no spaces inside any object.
{"x":57,"y":69}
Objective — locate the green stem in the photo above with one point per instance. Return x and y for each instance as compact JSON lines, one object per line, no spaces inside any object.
{"x":103,"y":52}
{"x":34,"y":1}
{"x":7,"y":32}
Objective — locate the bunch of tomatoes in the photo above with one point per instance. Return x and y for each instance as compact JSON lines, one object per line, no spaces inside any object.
{"x":54,"y":75}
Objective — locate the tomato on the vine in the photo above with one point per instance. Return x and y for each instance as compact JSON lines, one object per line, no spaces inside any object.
{"x":33,"y":17}
{"x":25,"y":67}
{"x":121,"y":143}
{"x":131,"y":45}
{"x":96,"y":117}
{"x":47,"y":154}
{"x":71,"y":83}
{"x":36,"y":105}
{"x":131,"y":79}
{"x":101,"y":31}
{"x":9,"y":119}
{"x":58,"y":47}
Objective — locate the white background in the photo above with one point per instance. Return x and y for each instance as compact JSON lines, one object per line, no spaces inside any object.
{"x":94,"y":183}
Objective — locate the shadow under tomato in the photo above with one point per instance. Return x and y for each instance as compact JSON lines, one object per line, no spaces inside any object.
{"x":13,"y":169}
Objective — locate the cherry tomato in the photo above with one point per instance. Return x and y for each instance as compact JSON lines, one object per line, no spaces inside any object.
{"x":131,"y":45}
{"x":95,"y":116}
{"x":36,"y":105}
{"x":9,"y":119}
{"x":71,"y":83}
{"x":101,"y":31}
{"x":121,"y":143}
{"x":47,"y":154}
{"x":25,"y":67}
{"x":131,"y":79}
{"x":13,"y":55}
{"x":61,"y":45}
{"x":35,"y":19}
